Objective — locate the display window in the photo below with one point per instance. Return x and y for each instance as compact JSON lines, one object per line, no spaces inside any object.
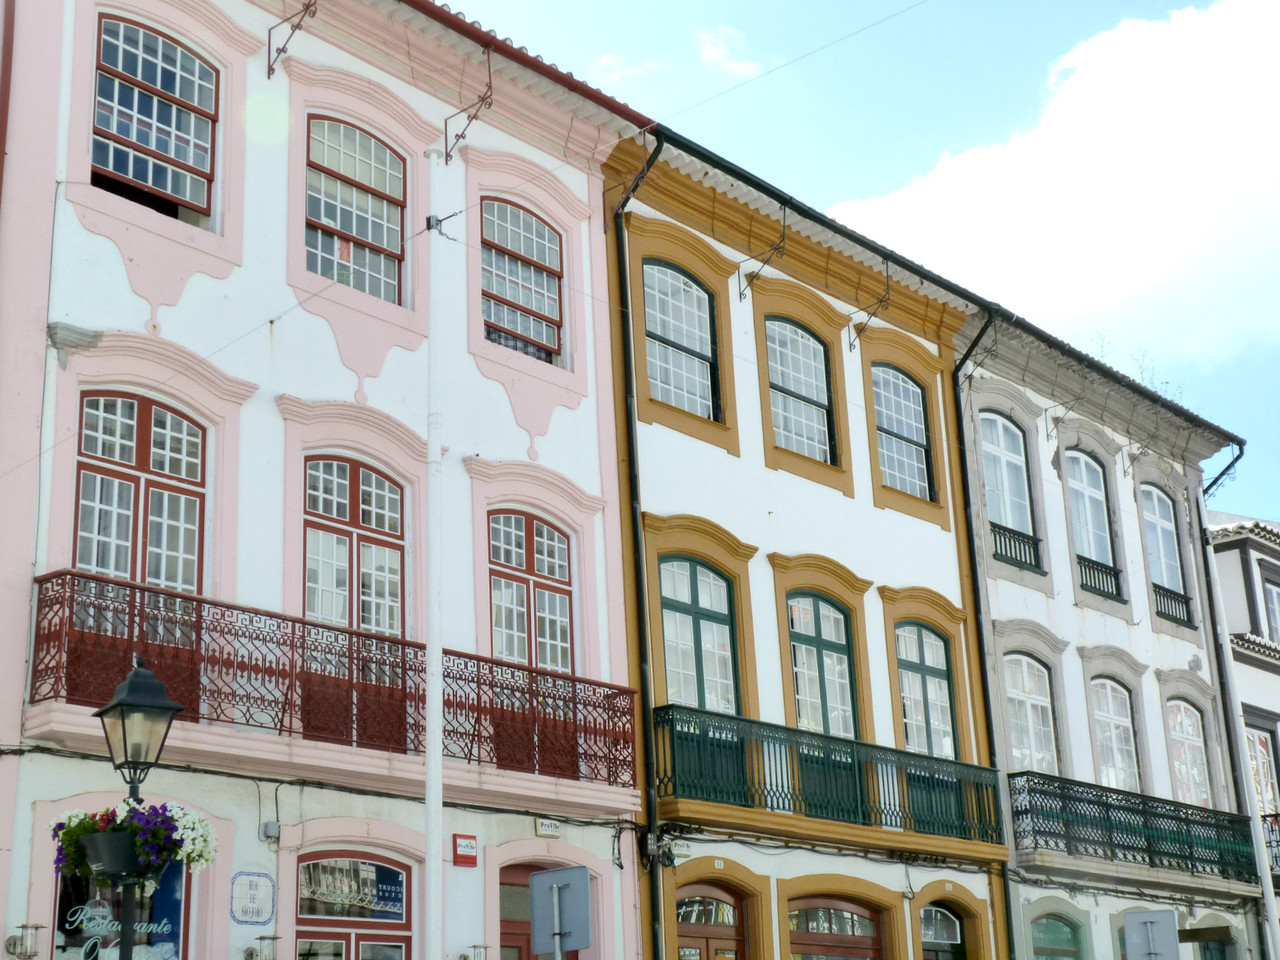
{"x":87,"y":919}
{"x":353,"y":905}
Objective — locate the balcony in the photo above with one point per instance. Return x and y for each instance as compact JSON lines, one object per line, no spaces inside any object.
{"x":1271,"y":833}
{"x":1172,"y":605}
{"x":729,"y":760}
{"x":251,"y":669}
{"x":1015,"y":547}
{"x":1083,"y":820}
{"x":1100,"y":578}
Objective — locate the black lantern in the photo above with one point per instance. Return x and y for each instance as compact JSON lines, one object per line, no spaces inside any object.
{"x":136,"y":723}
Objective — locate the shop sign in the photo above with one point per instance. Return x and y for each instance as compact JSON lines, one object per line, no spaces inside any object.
{"x":466,"y":851}
{"x":87,"y":925}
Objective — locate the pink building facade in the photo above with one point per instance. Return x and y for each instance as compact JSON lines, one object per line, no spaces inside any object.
{"x":299,"y":387}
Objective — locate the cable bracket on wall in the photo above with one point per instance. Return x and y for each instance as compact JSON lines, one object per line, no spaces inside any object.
{"x":636,"y":182}
{"x":295,"y":24}
{"x":482,"y":102}
{"x":1143,"y":447}
{"x":1050,"y":423}
{"x":871,"y":311}
{"x":778,"y":250}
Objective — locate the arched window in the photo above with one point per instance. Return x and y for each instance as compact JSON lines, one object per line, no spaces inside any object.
{"x":709,"y":924}
{"x":355,"y":546}
{"x":941,"y":934}
{"x":1163,"y":559}
{"x":355,"y":208}
{"x":1004,"y":470}
{"x":800,"y":390}
{"x":529,"y":577}
{"x":823,"y":927}
{"x":1262,"y":764}
{"x":1091,"y":525}
{"x":515,"y":912}
{"x":679,"y":322}
{"x":821,"y":665}
{"x":1054,"y":937}
{"x":902,"y":431}
{"x":520,"y":274}
{"x":924,"y":678}
{"x":1032,"y":744}
{"x":353,"y":906}
{"x":154,"y":121}
{"x":1186,"y":747}
{"x":698,"y":636}
{"x":1113,"y":740}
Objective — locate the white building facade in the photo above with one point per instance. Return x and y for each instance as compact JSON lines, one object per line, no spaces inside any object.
{"x":308,"y":401}
{"x":1106,"y":695}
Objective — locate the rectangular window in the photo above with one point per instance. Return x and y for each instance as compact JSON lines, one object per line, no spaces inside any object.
{"x":902,"y":431}
{"x":520,"y":274}
{"x":1272,"y":594}
{"x":519,"y":577}
{"x":680,"y":340}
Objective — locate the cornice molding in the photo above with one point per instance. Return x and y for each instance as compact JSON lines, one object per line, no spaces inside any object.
{"x":686,"y":241}
{"x":699,"y":527}
{"x":808,"y":305}
{"x":824,"y":566}
{"x":1086,"y":435}
{"x":165,"y":353}
{"x":521,"y":473}
{"x":354,"y":415}
{"x":365,"y":90}
{"x":877,"y":337}
{"x":1186,"y":684}
{"x":1106,"y":657}
{"x":1159,"y":472}
{"x":944,"y":609}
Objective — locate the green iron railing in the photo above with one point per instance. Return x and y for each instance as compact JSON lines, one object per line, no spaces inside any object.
{"x":723,"y":759}
{"x":1084,"y":820}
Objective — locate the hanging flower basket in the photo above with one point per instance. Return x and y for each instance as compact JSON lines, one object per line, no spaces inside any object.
{"x":131,"y":842}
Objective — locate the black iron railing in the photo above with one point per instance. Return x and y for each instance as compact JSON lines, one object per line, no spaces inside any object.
{"x":708,"y":756}
{"x":1100,"y":578}
{"x":1014,"y":546}
{"x":1172,"y":605}
{"x":1271,"y":833}
{"x":1084,"y":820}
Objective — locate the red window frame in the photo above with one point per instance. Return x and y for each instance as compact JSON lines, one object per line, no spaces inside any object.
{"x":144,"y":479}
{"x":400,"y":203}
{"x":558,"y":323}
{"x":212,"y":116}
{"x":353,"y":931}
{"x":518,"y":934}
{"x":356,"y":533}
{"x":532,"y":581}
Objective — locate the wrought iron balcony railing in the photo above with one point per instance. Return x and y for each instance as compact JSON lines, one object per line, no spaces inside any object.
{"x":1099,"y":578}
{"x":1172,"y":605}
{"x":1084,"y":820}
{"x":708,"y":756}
{"x":1271,"y":833}
{"x":1015,"y":547}
{"x":236,"y":665}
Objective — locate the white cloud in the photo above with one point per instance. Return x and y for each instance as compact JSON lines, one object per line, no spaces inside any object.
{"x":714,"y":48}
{"x":609,"y":70}
{"x":1141,"y":215}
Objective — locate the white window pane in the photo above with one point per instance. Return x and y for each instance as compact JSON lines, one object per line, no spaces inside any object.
{"x":379,"y":502}
{"x":173,"y":527}
{"x":506,"y":539}
{"x":717,"y":668}
{"x":554,"y":648}
{"x":510,"y":620}
{"x":109,"y":428}
{"x":104,"y":535}
{"x":550,"y":552}
{"x":175,"y":445}
{"x":800,"y":615}
{"x":675,"y":581}
{"x":379,"y":588}
{"x":713,"y":591}
{"x":327,"y":488}
{"x":835,"y":667}
{"x":681,"y":666}
{"x":328,"y":577}
{"x":1190,"y":763}
{"x":804,"y":669}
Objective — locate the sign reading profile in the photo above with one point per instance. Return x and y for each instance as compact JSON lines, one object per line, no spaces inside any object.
{"x":351,"y":888}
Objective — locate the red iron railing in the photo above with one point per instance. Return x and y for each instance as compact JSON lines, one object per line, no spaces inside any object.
{"x":252,"y":668}
{"x":537,"y":721}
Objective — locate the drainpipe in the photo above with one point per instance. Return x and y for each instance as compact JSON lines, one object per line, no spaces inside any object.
{"x":977,"y":592}
{"x":1236,"y":733}
{"x":637,"y":559}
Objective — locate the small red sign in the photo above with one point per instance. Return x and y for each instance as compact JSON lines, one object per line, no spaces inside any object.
{"x":466,"y":852}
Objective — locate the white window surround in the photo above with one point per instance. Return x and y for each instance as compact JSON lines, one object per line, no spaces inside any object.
{"x":1029,"y":702}
{"x":1114,"y":740}
{"x":1062,"y":909}
{"x":1178,"y":485}
{"x":1271,"y":600}
{"x":1120,"y":666}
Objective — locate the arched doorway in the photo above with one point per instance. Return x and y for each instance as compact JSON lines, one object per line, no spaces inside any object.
{"x":823,"y":927}
{"x":1052,"y":936}
{"x":709,"y":924}
{"x":515,"y":913}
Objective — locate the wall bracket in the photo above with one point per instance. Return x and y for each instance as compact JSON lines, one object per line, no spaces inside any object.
{"x":295,"y":24}
{"x":482,"y":102}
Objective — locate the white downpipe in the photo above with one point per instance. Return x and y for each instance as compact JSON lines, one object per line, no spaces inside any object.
{"x":432,"y":942}
{"x":1236,"y":711}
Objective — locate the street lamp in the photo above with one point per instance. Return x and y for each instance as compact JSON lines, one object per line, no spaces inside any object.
{"x":136,"y":723}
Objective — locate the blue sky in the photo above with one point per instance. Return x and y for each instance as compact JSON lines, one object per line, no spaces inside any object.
{"x":1106,"y":169}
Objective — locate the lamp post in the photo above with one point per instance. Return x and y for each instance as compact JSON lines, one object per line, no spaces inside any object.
{"x":136,"y":723}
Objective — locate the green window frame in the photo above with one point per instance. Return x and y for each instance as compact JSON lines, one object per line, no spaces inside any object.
{"x":929,"y":727}
{"x":820,"y":635}
{"x":902,"y":427}
{"x":699,"y":635}
{"x":1054,"y":936}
